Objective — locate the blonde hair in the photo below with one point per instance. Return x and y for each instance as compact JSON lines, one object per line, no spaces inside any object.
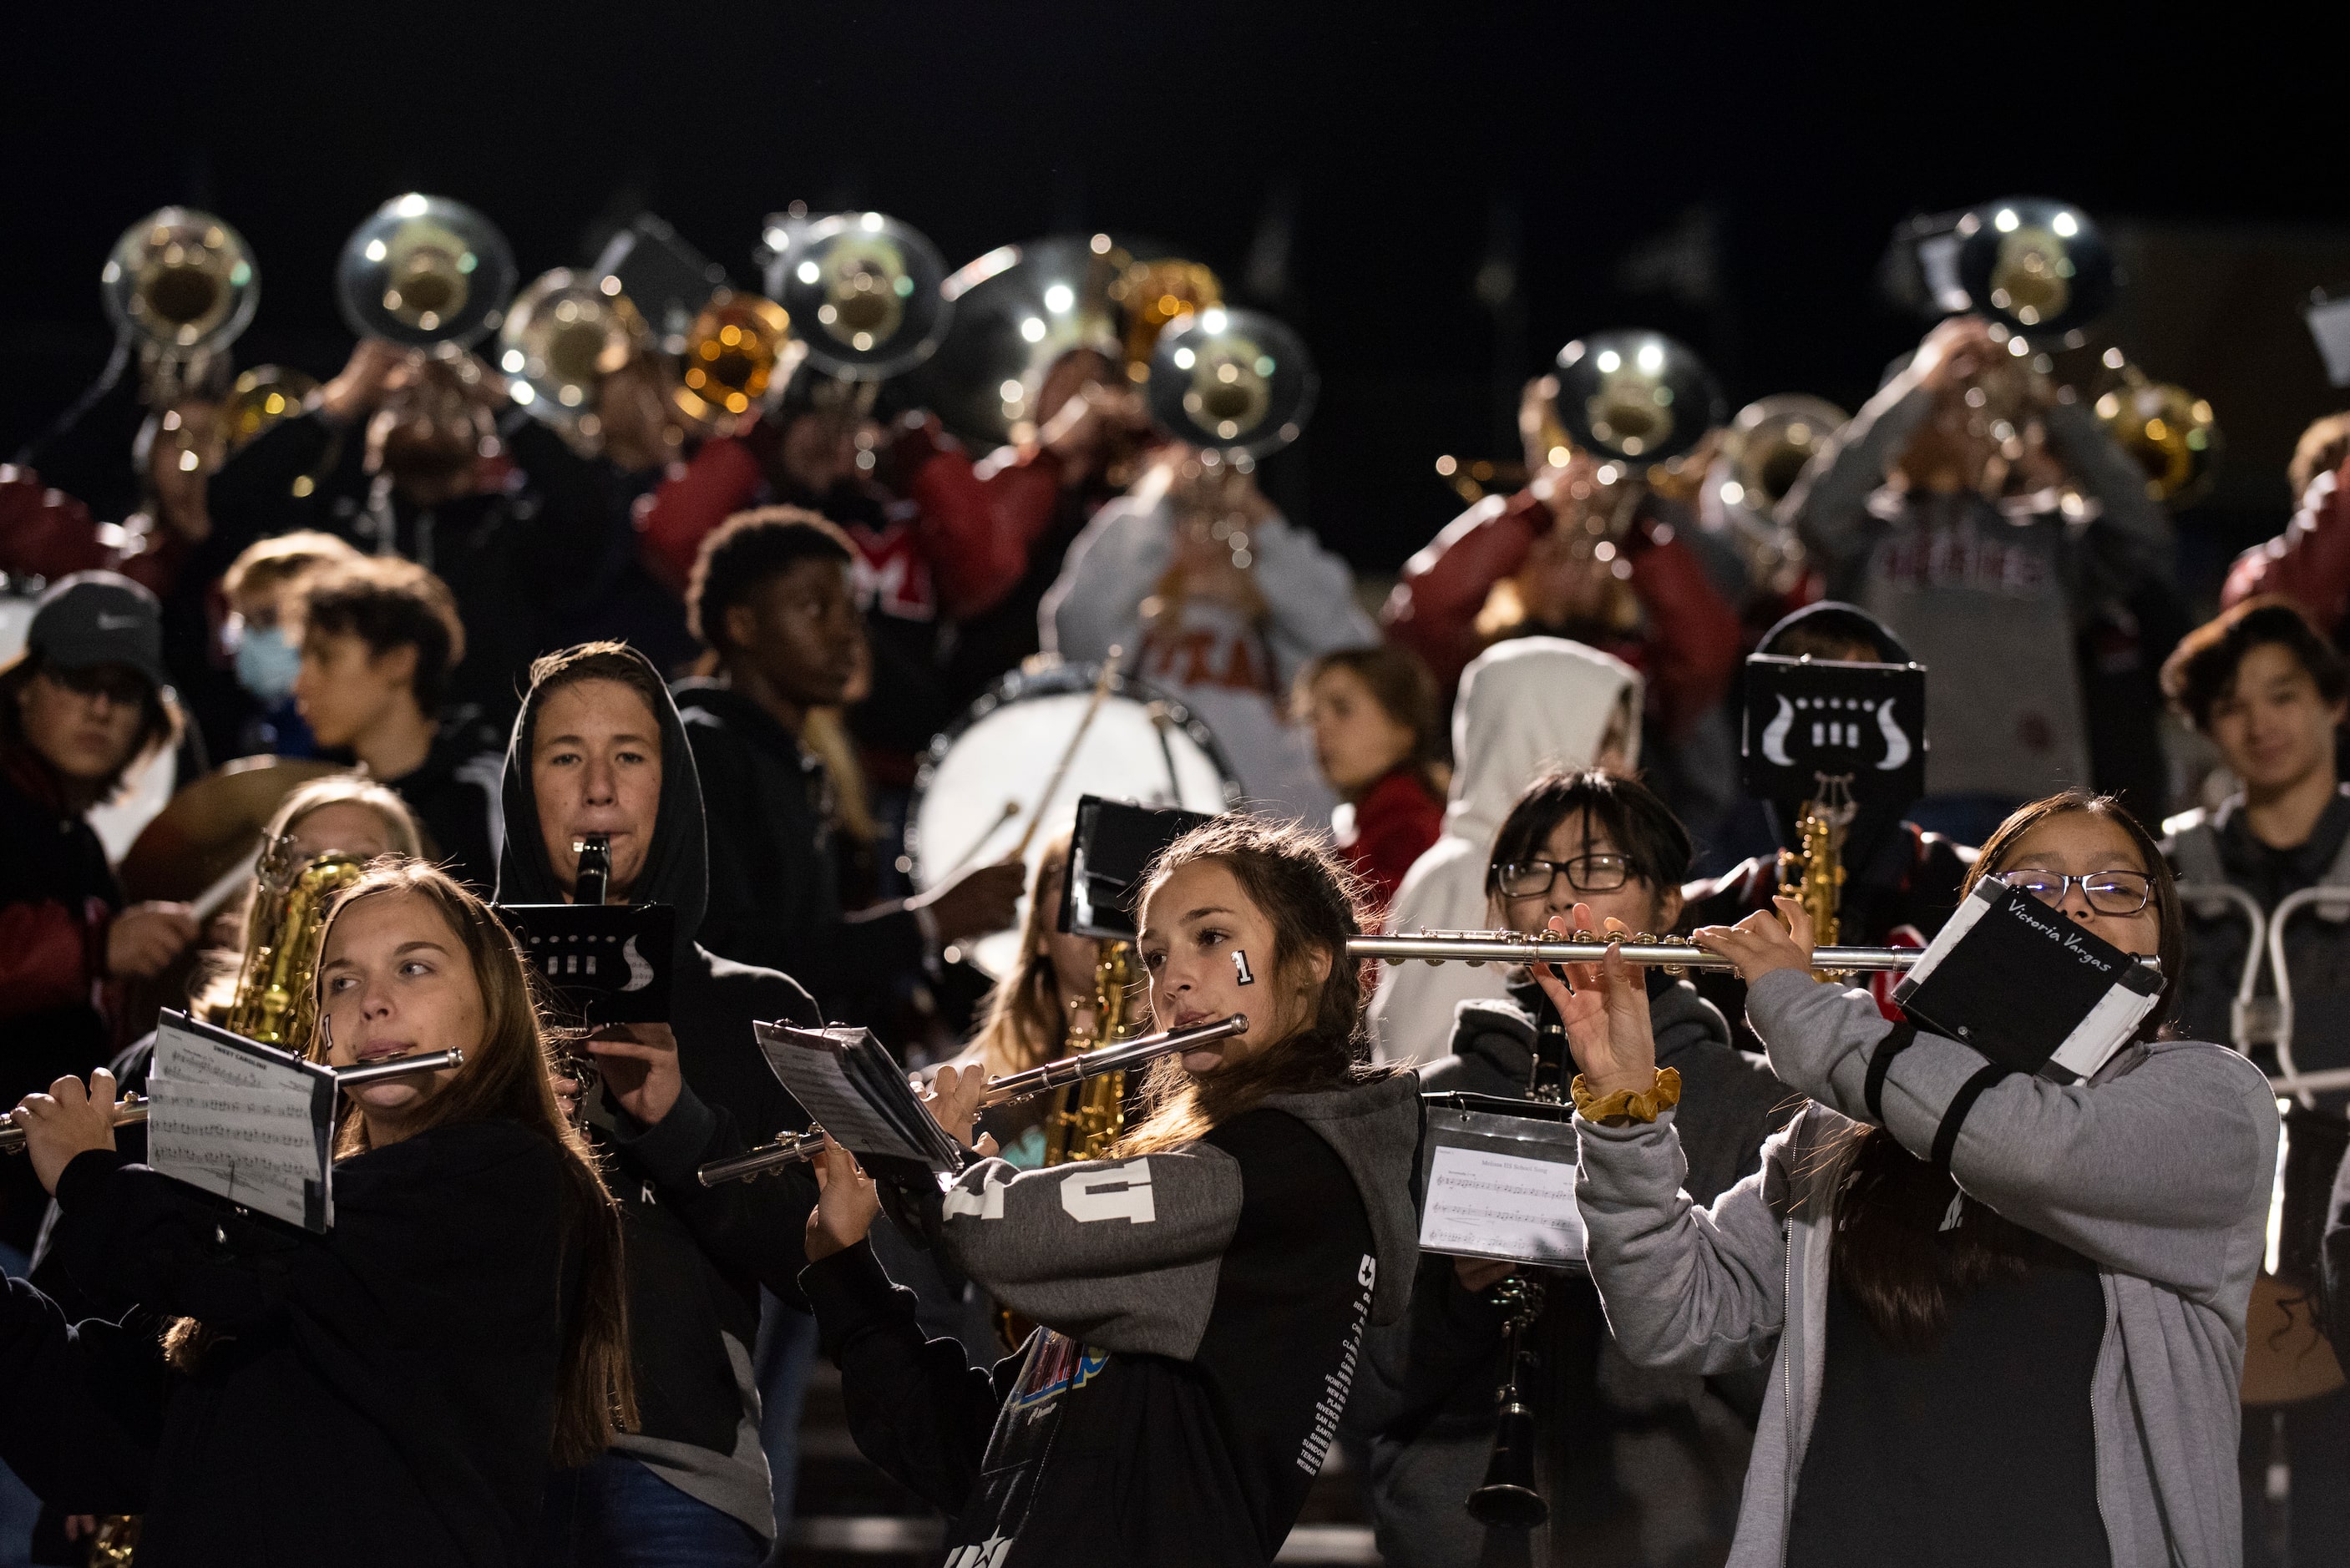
{"x":1024,"y":1022}
{"x":274,"y":563}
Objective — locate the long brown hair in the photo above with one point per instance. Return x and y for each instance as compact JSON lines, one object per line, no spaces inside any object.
{"x":509,"y":1078}
{"x":1025,"y":1023}
{"x":1890,"y":1251}
{"x":1314,"y":903}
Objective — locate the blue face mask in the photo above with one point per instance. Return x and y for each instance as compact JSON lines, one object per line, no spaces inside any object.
{"x":267,"y":663}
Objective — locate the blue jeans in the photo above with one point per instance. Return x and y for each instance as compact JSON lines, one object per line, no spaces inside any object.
{"x":616,"y":1513}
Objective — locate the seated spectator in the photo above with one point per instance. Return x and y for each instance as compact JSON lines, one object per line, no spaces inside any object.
{"x":379,"y":637}
{"x":83,"y":705}
{"x":1373,"y":714}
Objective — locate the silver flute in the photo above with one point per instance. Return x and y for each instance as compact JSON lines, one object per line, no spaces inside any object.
{"x":1591,"y":947}
{"x":134,"y":1108}
{"x":1003,"y":1091}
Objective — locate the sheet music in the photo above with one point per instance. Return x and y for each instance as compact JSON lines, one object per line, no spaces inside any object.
{"x":808,"y":1062}
{"x":231,"y":1120}
{"x":1483,"y":1204}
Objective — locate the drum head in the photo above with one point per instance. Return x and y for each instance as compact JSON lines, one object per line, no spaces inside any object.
{"x":983,"y":782}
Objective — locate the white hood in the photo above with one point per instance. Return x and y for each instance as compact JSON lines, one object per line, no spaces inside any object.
{"x":1526,"y":706}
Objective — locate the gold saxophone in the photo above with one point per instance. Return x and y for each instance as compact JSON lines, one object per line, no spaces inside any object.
{"x":1813,"y":872}
{"x":275,"y":1002}
{"x":1091,"y":1116}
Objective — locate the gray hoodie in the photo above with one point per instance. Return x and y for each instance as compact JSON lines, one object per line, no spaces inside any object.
{"x":2159,"y":1170}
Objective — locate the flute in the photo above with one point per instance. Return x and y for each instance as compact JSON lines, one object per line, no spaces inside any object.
{"x":1591,"y":947}
{"x":1003,"y":1091}
{"x":133,"y":1109}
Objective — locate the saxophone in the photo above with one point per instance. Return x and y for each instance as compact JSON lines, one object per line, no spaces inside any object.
{"x":1092,"y":1114}
{"x":274,"y":1003}
{"x":1813,"y":873}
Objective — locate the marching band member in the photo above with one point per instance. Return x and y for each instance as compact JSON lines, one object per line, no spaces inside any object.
{"x":598,"y":748}
{"x":1609,"y":1431}
{"x":1035,"y":1012}
{"x":1373,"y":714}
{"x":774,"y":597}
{"x":1902,"y":512}
{"x":1204,"y":1292}
{"x":398,"y":1387}
{"x":2009,"y":1314}
{"x":1526,"y":706}
{"x":380,"y":639}
{"x":85,"y":703}
{"x":1225,"y":622}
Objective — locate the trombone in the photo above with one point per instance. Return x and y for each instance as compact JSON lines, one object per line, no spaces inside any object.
{"x":1020,"y":1085}
{"x":133,"y":1109}
{"x":1591,"y":947}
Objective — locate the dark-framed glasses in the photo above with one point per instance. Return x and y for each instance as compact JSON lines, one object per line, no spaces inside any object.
{"x":1583,"y":874}
{"x":2108,"y":892}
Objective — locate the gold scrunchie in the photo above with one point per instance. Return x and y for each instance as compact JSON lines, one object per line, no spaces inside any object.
{"x":1640,"y":1106}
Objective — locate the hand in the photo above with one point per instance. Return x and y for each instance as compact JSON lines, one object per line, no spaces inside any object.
{"x":568,"y":1094}
{"x":144,"y":939}
{"x":1760,"y":944}
{"x":1083,"y":426}
{"x":1478,"y":1275}
{"x":361,"y":385}
{"x":638,"y":1061}
{"x":953,"y":1099}
{"x":845,"y":1202}
{"x":66,"y":1121}
{"x":984,"y":899}
{"x":1955,"y":352}
{"x":1605,"y":1012}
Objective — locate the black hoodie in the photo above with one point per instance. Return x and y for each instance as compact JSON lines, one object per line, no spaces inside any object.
{"x":696,"y":1255}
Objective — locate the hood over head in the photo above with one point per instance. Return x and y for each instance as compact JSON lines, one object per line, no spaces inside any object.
{"x":677,"y":865}
{"x":1375,"y":1130}
{"x":1526,"y":705}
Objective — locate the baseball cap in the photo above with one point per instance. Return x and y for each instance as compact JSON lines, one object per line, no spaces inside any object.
{"x":99,"y":617}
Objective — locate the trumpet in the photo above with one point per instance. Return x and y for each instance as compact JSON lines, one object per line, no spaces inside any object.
{"x":133,"y":1109}
{"x":1003,"y":1091}
{"x":1591,"y":947}
{"x":731,"y":355}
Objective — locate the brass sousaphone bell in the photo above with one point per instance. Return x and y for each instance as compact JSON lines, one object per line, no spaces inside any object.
{"x":422,"y":271}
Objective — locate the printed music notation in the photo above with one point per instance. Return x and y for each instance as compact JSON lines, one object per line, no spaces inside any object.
{"x":249,"y":1127}
{"x":1485,"y":1204}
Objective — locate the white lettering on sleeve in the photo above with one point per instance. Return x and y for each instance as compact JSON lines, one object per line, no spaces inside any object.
{"x":1110,"y":1192}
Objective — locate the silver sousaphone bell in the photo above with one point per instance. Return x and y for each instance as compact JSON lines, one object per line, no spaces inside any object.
{"x":563,"y":335}
{"x":2039,"y":267}
{"x":422,"y":271}
{"x":1236,"y":381}
{"x":1635,"y":396}
{"x":863,"y":292}
{"x":182,"y":281}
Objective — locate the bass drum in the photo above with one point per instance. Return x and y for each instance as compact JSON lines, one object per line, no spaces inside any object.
{"x":982,"y":780}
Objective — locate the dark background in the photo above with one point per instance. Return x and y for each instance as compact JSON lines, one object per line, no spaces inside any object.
{"x":1356,"y":169}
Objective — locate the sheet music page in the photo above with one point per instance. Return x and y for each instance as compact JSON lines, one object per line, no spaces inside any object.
{"x":1483,"y":1204}
{"x":807,"y":1061}
{"x":237,"y":1124}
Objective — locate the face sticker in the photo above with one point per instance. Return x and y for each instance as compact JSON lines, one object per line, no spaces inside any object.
{"x":1241,"y":968}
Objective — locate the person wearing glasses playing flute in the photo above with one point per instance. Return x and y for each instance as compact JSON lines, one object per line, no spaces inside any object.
{"x":2009,"y":1313}
{"x":1203,"y":1290}
{"x":395,"y":1391}
{"x":1606,"y":843}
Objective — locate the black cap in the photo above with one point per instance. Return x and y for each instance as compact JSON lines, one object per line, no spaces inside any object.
{"x":99,"y":617}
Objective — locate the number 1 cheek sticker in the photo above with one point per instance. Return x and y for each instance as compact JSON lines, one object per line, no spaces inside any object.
{"x":1241,"y":968}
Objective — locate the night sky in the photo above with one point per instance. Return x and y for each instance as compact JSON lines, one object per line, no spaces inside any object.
{"x":1400,"y":151}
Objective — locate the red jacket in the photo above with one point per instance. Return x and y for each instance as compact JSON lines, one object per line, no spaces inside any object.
{"x":979,"y":520}
{"x":1394,"y":821}
{"x":2309,"y":563}
{"x":46,"y":532}
{"x":1688,"y":650}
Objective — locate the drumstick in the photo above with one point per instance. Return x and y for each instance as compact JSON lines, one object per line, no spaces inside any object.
{"x":215,"y":898}
{"x":1069,"y":755}
{"x":1011,"y":809}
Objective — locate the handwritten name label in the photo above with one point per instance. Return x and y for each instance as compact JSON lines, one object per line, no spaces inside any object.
{"x":2060,"y":931}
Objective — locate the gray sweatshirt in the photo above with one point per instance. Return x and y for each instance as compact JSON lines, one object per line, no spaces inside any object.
{"x":1989,"y":594}
{"x":2159,"y":1170}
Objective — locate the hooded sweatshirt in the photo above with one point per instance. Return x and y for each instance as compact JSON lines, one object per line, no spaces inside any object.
{"x":1426,"y":1405}
{"x":2157,"y":1169}
{"x":1203,"y":1310}
{"x":696,"y":1255}
{"x":1526,"y":706}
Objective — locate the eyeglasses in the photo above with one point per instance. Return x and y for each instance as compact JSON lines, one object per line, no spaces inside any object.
{"x":2108,"y":892}
{"x":1585,"y":874}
